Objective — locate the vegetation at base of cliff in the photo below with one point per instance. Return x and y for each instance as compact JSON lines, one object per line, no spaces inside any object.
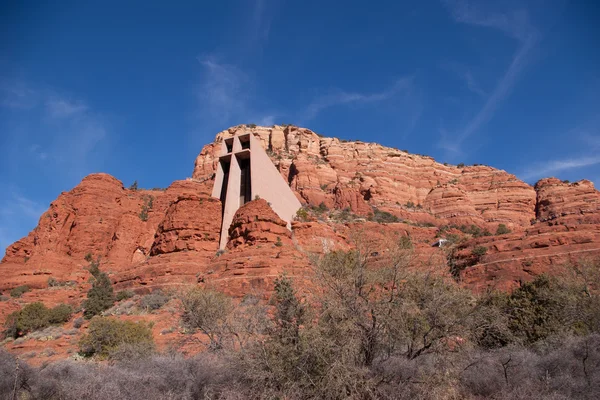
{"x":19,"y":290}
{"x":154,"y":300}
{"x":107,"y":337}
{"x":101,"y":296}
{"x":369,"y":329}
{"x":35,"y":316}
{"x":382,"y":217}
{"x":124,"y":295}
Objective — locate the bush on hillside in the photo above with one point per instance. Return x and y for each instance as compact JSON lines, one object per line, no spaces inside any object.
{"x":382,"y":217}
{"x":207,"y":311}
{"x":124,"y":295}
{"x":154,"y":301}
{"x":36,"y":316}
{"x":502,"y":230}
{"x":19,"y":290}
{"x":101,"y":295}
{"x":107,"y":335}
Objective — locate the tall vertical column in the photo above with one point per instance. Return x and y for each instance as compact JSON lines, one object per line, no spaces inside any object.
{"x":232,"y":201}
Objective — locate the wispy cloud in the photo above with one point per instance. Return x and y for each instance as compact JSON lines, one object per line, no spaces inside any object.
{"x":465,"y":74}
{"x":267,"y":120}
{"x":20,"y":204}
{"x":473,"y":85}
{"x":5,"y":241}
{"x":48,"y":134}
{"x":223,"y":92}
{"x":16,"y":94}
{"x":62,"y":108}
{"x":50,"y":126}
{"x":516,"y":25}
{"x":541,"y":170}
{"x":339,"y":97}
{"x":17,"y":215}
{"x":227,"y":96}
{"x":261,"y":17}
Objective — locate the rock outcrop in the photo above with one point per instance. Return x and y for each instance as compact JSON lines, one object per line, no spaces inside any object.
{"x":256,"y":222}
{"x":149,"y":239}
{"x":360,"y":175}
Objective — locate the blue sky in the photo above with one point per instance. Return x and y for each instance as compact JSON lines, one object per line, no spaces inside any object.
{"x":136,"y":89}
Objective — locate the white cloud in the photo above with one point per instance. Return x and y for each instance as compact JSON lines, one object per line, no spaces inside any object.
{"x":464,"y":74}
{"x":542,"y":170}
{"x":48,"y":126}
{"x":267,"y":120}
{"x":262,"y":16}
{"x":18,"y":215}
{"x":473,"y":85}
{"x":516,"y":25}
{"x":339,"y":97}
{"x":223,"y":92}
{"x":227,"y":97}
{"x":62,"y":108}
{"x":5,"y":241}
{"x":27,"y":206}
{"x":16,"y":94}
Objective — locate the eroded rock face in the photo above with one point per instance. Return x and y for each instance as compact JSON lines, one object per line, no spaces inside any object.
{"x":557,"y":199}
{"x":256,"y":222}
{"x":191,"y":223}
{"x":98,"y":218}
{"x":360,"y":175}
{"x":566,"y":232}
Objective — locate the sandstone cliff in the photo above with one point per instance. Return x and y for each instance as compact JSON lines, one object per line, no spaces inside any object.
{"x":148,"y":239}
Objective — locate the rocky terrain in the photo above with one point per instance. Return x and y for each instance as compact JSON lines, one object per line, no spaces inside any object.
{"x":149,"y":239}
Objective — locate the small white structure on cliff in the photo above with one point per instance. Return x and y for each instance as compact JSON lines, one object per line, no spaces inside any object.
{"x":245,"y":172}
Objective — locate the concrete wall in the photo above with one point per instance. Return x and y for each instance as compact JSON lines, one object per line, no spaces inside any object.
{"x":266,"y":182}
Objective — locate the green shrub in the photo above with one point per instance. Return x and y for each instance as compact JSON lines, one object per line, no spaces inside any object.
{"x":278,"y":243}
{"x":502,"y":230}
{"x":539,"y":309}
{"x":147,"y":206}
{"x":479,"y":251}
{"x":154,"y":301}
{"x":35,"y":316}
{"x":101,"y":296}
{"x":60,"y":314}
{"x":321,"y":208}
{"x":124,"y":295}
{"x":344,"y":216}
{"x":461,"y":165}
{"x":207,"y":311}
{"x":302,"y":214}
{"x":382,"y":216}
{"x":19,"y":290}
{"x":106,"y":335}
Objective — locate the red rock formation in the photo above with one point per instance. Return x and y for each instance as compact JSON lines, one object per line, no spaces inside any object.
{"x":169,"y":238}
{"x":559,"y":199}
{"x":567,"y":231}
{"x":191,"y":223}
{"x":256,"y":222}
{"x":341,"y":174}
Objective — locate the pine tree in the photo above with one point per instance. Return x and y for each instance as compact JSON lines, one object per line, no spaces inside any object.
{"x":101,"y":296}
